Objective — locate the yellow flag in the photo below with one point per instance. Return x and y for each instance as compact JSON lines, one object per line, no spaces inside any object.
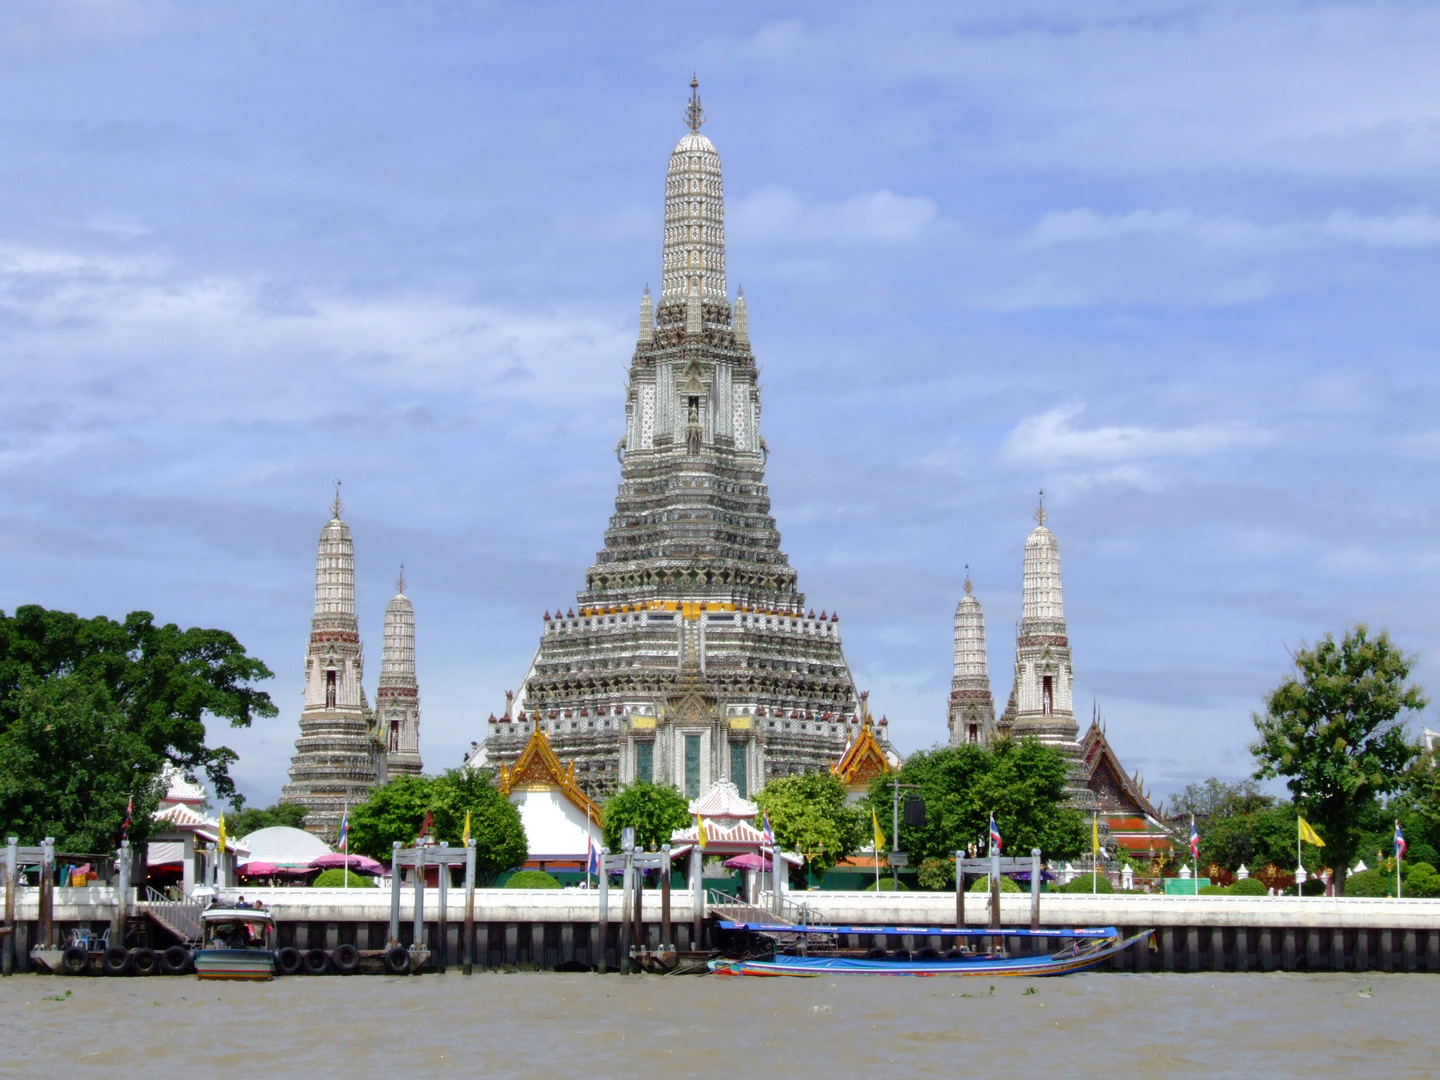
{"x":220,"y":841}
{"x":700,"y":833}
{"x":879,"y":836}
{"x":1095,"y":835}
{"x":465,"y":836}
{"x":1309,"y":835}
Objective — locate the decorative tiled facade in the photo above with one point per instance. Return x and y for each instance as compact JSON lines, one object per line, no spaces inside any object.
{"x":339,"y":757}
{"x":690,"y":656}
{"x":397,"y":701}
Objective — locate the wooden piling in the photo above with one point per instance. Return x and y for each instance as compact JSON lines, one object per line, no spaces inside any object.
{"x":959,"y":890}
{"x":1035,"y":888}
{"x":46,"y":927}
{"x":442,"y":918}
{"x":394,"y":938}
{"x":604,"y":910}
{"x":697,"y":888}
{"x":468,"y":965}
{"x":667,"y":939}
{"x":12,"y":880}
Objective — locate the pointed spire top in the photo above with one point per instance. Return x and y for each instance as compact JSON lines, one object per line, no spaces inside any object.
{"x":969,"y":589}
{"x":647,"y":288}
{"x":400,"y":581}
{"x":1041,"y":516}
{"x":337,"y":507}
{"x":694,"y":114}
{"x":740,"y":293}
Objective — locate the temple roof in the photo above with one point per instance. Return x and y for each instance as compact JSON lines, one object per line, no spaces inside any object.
{"x":538,"y":765}
{"x":723,"y":801}
{"x":864,"y":759}
{"x":1117,"y":793}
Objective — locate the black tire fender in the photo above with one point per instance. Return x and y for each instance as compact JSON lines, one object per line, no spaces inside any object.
{"x":175,"y":960}
{"x":144,"y":962}
{"x":345,"y":960}
{"x":397,"y":960}
{"x":288,"y":961}
{"x":317,"y":962}
{"x":116,"y":961}
{"x":76,"y":960}
{"x":875,"y":954}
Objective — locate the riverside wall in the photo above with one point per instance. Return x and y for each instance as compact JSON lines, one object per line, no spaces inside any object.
{"x":551,"y":929}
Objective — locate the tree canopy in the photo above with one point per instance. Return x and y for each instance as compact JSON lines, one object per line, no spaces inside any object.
{"x":655,"y":811}
{"x":242,"y":820}
{"x":396,"y":811}
{"x":1022,"y":782}
{"x":810,"y":816}
{"x":92,"y":709}
{"x":1334,"y":731}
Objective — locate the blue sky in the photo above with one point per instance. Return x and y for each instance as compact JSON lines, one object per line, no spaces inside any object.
{"x":1175,"y":263}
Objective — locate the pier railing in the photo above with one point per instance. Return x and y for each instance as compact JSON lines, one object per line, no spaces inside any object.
{"x":180,"y":917}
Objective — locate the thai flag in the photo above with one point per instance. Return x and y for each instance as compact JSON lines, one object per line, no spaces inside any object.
{"x":592,"y":857}
{"x":995,"y":841}
{"x":769,"y":832}
{"x":129,"y":813}
{"x":1400,"y":845}
{"x":1194,"y":839}
{"x":344,"y":831}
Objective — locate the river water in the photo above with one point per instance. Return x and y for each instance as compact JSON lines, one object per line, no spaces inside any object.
{"x":549,"y":1025}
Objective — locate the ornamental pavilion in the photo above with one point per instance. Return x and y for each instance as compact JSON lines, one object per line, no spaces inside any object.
{"x":561,"y":820}
{"x":1136,"y":826}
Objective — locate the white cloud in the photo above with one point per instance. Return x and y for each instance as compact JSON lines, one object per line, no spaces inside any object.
{"x":1050,"y":439}
{"x":776,"y":215}
{"x":1416,"y":227}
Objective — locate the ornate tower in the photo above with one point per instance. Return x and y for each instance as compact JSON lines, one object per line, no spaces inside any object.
{"x":337,"y":758}
{"x":972,"y":708}
{"x":1041,"y":703}
{"x":689,"y":656}
{"x":397,"y":702}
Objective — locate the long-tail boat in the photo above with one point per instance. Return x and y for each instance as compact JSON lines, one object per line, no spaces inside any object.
{"x":771,"y":949}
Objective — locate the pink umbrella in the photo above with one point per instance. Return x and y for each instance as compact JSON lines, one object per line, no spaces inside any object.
{"x":747,"y":862}
{"x":361,"y":864}
{"x":257,"y":869}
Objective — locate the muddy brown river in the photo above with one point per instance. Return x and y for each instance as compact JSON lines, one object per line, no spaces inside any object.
{"x":548,"y":1025}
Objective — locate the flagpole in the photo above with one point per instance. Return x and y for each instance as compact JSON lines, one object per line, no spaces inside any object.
{"x":1398,"y":856}
{"x":345,"y":840}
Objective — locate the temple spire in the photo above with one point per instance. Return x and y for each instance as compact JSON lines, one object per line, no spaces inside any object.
{"x":972,"y":706}
{"x":694,"y":114}
{"x":397,"y":702}
{"x":694,"y":263}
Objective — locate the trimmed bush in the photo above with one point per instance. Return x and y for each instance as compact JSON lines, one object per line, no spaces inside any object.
{"x":532,"y":879}
{"x":1006,"y":885}
{"x":1082,"y":885}
{"x":335,"y":879}
{"x":1212,"y":890}
{"x":1248,"y":887}
{"x":886,"y":885}
{"x":1370,"y":883}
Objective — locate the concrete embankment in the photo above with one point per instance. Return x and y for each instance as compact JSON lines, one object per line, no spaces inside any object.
{"x":549,"y":929}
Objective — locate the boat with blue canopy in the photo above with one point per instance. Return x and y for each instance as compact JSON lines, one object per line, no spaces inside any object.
{"x":779,"y":949}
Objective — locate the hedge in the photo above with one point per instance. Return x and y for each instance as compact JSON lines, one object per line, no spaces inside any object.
{"x":886,"y":885}
{"x":532,"y":879}
{"x":1006,"y":885}
{"x":1082,"y":884}
{"x":1248,"y":887}
{"x":335,"y":879}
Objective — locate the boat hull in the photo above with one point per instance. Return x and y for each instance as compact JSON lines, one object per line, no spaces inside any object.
{"x":253,"y":964}
{"x":988,"y":967}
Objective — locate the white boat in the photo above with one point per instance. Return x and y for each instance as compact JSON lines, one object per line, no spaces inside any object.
{"x":237,"y":943}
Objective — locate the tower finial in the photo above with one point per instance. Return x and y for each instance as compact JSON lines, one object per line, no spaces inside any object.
{"x":400,"y":581}
{"x":694,"y":115}
{"x":968,"y":587}
{"x":1040,"y":514}
{"x":337,"y":507}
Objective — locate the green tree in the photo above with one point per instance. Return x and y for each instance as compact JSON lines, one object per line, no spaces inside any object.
{"x":70,"y":761}
{"x":1215,"y":798}
{"x":165,"y":681}
{"x":1022,"y":782}
{"x":654,"y":810}
{"x":1334,"y":731}
{"x":810,"y":816}
{"x":396,"y":811}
